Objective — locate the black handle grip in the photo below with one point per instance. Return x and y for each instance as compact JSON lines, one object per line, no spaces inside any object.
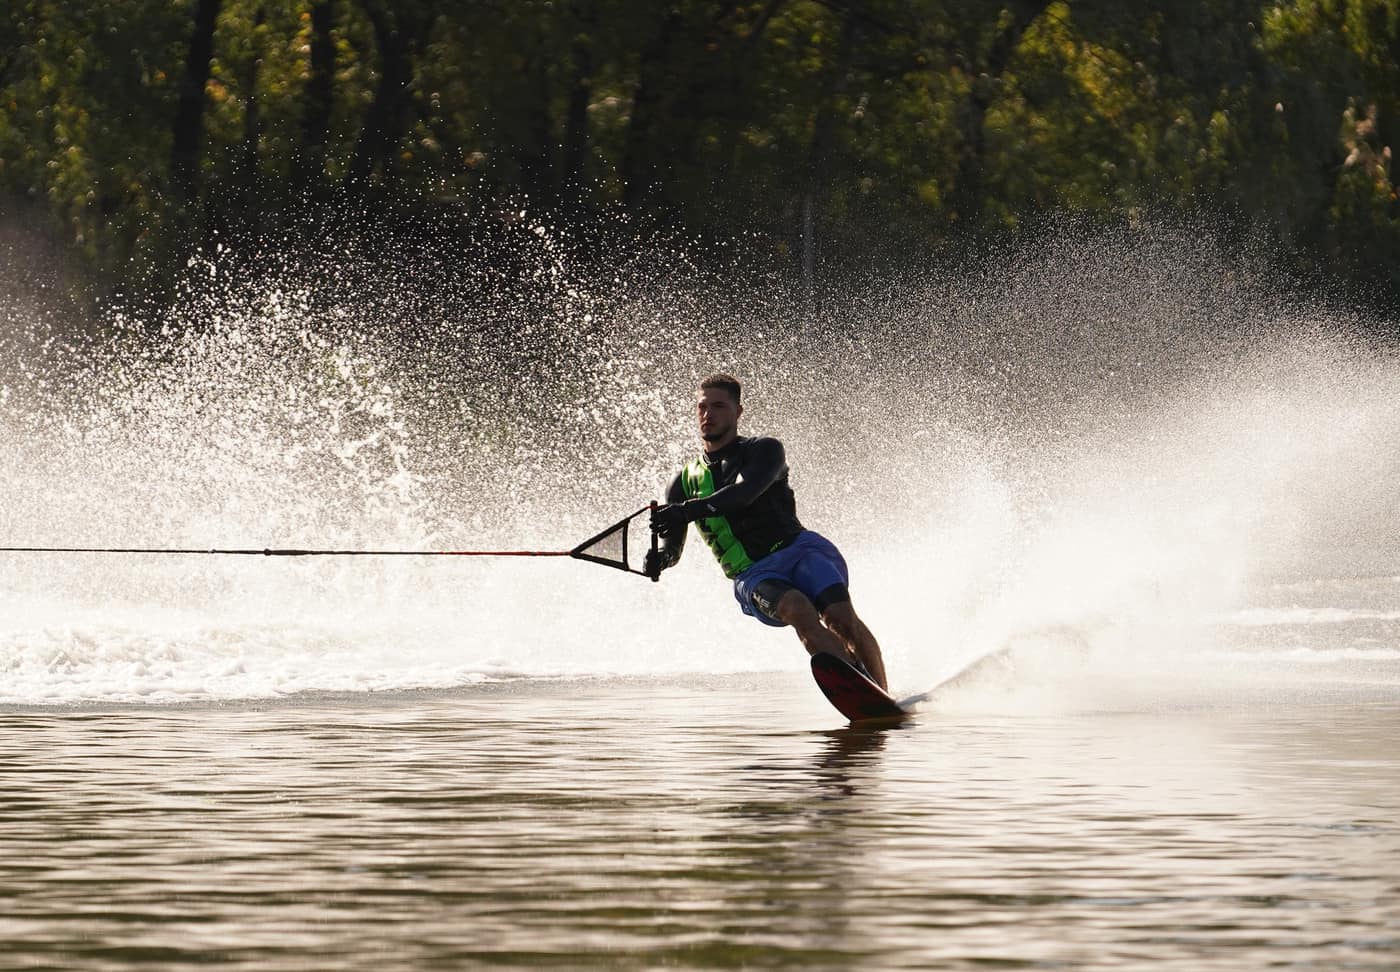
{"x":655,"y":547}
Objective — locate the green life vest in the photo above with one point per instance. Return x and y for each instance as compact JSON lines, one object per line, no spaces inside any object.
{"x":732,"y":557}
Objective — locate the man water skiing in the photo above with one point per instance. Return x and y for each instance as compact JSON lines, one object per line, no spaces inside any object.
{"x":738,"y":497}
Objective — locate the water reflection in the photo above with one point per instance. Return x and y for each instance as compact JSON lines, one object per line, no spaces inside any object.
{"x":847,"y":758}
{"x":441,"y":831}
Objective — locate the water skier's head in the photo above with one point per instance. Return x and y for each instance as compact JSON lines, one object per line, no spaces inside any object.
{"x":718,"y":410}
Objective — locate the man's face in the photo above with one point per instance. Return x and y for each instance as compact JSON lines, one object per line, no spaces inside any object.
{"x":718,"y":414}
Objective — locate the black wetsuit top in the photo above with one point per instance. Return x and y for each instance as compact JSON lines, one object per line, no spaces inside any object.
{"x":751,"y":492}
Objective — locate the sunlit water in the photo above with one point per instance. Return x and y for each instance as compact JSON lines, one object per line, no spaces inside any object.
{"x":727,"y":822}
{"x":1154,"y":499}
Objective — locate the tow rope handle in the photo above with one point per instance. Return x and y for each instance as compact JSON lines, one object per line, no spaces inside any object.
{"x":655,"y":544}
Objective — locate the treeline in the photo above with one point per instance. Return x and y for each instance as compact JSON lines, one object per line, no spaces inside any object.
{"x":829,"y":131}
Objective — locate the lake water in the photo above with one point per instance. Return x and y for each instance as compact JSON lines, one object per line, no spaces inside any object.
{"x":715,"y":822}
{"x":1156,"y":491}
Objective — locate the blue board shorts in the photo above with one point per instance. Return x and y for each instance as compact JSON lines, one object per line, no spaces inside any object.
{"x":811,"y":563}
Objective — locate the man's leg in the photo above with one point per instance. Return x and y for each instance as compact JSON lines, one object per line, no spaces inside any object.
{"x":841,"y":618}
{"x":795,"y":609}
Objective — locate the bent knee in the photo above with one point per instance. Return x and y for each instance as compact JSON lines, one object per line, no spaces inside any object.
{"x":842,"y":619}
{"x":795,"y":609}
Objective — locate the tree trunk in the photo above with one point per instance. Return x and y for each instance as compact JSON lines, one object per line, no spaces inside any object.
{"x":534,"y":152}
{"x":252,"y":120}
{"x":638,"y":161}
{"x":970,"y":181}
{"x":189,"y":115}
{"x":743,"y":65}
{"x":385,"y":119}
{"x":320,"y":91}
{"x":585,"y":22}
{"x":819,"y":151}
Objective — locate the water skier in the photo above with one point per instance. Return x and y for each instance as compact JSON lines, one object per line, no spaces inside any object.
{"x":738,"y":497}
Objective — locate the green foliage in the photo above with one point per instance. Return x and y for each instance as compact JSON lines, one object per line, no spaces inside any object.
{"x":835,"y":130}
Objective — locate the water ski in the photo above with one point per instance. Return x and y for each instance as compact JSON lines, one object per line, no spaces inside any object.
{"x":852,"y":692}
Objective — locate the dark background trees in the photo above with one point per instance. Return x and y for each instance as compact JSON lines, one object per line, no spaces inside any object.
{"x":833,"y":133}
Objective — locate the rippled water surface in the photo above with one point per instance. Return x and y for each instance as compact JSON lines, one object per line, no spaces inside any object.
{"x":698,"y":822}
{"x":1152,"y":488}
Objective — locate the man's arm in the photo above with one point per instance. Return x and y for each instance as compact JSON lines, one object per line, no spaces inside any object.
{"x":672,"y":537}
{"x":764,"y":463}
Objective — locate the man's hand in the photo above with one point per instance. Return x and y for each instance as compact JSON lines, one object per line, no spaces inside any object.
{"x":653,"y":564}
{"x":664,"y":519}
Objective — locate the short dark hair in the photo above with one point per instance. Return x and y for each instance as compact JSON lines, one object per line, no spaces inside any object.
{"x":721,"y":380}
